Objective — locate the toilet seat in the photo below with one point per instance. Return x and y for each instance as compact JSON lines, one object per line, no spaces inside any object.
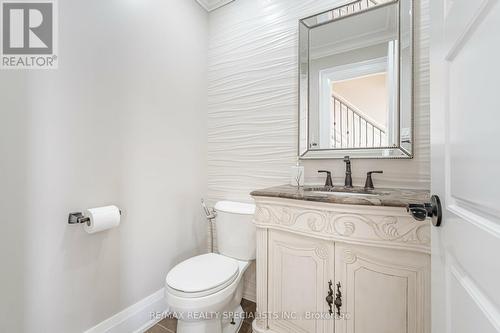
{"x":202,"y":275}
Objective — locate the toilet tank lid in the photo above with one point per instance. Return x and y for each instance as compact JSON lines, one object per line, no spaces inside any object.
{"x":235,"y":207}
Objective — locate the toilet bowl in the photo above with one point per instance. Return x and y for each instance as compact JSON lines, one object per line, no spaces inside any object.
{"x":204,"y":292}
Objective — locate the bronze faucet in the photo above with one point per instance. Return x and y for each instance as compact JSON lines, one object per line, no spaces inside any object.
{"x":328,"y":181}
{"x":369,"y":180}
{"x":348,"y":178}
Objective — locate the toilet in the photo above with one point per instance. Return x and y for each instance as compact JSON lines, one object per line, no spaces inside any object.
{"x":204,"y":292}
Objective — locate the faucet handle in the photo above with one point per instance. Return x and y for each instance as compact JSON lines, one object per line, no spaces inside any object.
{"x":369,"y":180}
{"x":328,"y":181}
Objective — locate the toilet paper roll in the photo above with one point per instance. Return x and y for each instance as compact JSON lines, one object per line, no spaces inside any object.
{"x":102,"y":218}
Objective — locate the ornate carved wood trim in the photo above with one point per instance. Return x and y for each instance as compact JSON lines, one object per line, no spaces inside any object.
{"x":369,"y":225}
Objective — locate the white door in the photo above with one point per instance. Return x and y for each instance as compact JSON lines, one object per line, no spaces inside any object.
{"x":465,"y":144}
{"x":299,"y":271}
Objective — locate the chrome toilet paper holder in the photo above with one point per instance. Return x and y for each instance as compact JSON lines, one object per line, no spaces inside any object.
{"x":78,"y":218}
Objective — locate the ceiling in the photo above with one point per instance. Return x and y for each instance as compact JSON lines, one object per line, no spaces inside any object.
{"x":211,"y":5}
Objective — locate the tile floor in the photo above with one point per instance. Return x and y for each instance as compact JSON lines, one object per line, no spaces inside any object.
{"x":169,"y":325}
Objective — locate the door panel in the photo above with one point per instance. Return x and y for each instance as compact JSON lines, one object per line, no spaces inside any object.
{"x":299,"y":271}
{"x":465,"y":111}
{"x":384,"y":291}
{"x":461,"y":303}
{"x":474,"y":114}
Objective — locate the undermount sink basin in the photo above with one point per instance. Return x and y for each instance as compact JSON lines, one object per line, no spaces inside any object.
{"x":343,"y":191}
{"x":346,"y":194}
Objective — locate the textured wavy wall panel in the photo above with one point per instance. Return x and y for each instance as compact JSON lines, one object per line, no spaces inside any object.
{"x":252,"y":101}
{"x":252,"y":114}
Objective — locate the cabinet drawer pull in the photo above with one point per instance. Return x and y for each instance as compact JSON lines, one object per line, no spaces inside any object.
{"x":329,"y":298}
{"x":338,"y":299}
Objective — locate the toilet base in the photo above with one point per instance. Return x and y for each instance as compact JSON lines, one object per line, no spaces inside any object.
{"x":238,"y":320}
{"x":218,"y":325}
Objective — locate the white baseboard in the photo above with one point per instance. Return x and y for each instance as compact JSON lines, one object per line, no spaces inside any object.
{"x":249,"y":294}
{"x":136,"y":318}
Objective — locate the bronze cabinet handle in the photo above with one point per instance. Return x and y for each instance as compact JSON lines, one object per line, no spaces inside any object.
{"x":338,"y":299}
{"x":329,"y":298}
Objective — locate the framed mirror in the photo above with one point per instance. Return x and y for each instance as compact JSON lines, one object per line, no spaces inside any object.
{"x":356,"y":81}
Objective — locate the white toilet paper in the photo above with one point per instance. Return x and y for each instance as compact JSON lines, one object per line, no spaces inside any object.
{"x":102,"y":218}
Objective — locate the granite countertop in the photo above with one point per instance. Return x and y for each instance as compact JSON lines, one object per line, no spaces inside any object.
{"x":390,"y":197}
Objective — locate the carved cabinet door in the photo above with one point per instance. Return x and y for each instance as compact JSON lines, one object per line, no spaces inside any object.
{"x":299,"y":271}
{"x":383,"y":290}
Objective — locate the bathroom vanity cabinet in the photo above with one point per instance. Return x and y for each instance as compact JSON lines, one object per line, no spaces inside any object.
{"x":376,"y":257}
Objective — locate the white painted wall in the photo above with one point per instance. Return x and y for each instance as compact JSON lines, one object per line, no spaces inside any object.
{"x":252,"y":104}
{"x":122,"y":121}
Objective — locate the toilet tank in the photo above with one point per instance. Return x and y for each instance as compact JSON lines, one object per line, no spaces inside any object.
{"x":235,"y":229}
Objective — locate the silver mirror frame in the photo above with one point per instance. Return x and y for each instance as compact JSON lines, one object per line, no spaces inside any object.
{"x":404,"y":150}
